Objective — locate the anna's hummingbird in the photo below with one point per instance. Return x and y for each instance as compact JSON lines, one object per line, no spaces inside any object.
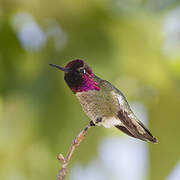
{"x":103,"y":103}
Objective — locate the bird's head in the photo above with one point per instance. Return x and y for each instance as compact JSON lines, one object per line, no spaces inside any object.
{"x":78,"y":76}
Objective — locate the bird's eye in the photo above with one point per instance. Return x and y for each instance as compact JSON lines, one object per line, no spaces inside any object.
{"x":83,"y":71}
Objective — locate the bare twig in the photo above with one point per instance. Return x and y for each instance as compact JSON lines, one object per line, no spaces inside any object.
{"x":75,"y":144}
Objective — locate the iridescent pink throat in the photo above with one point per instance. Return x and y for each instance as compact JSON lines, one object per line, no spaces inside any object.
{"x":87,"y":84}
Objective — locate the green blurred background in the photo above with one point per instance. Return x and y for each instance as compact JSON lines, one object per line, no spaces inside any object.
{"x":135,"y":44}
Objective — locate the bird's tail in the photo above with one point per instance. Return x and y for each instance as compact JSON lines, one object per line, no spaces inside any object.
{"x":145,"y":137}
{"x":134,"y":128}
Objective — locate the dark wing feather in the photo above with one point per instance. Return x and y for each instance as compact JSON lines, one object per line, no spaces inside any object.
{"x":135,"y":127}
{"x":125,"y":130}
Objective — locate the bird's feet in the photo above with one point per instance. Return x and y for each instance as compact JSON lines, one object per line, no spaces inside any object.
{"x":98,"y":120}
{"x":92,"y":123}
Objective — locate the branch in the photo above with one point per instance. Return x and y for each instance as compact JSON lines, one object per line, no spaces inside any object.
{"x":75,"y":144}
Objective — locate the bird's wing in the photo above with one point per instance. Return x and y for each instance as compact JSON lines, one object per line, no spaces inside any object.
{"x":132,"y":126}
{"x":125,"y":130}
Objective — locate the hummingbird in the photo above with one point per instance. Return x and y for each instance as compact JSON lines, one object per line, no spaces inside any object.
{"x":103,"y":103}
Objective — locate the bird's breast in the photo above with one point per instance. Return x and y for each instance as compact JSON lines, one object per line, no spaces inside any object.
{"x":99,"y":104}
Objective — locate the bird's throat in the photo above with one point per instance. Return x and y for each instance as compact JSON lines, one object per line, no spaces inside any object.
{"x":88,"y":83}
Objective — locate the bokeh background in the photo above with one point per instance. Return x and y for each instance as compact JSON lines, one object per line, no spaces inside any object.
{"x":135,"y":44}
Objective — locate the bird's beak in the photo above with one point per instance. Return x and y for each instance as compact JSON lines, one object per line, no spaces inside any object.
{"x":59,"y":67}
